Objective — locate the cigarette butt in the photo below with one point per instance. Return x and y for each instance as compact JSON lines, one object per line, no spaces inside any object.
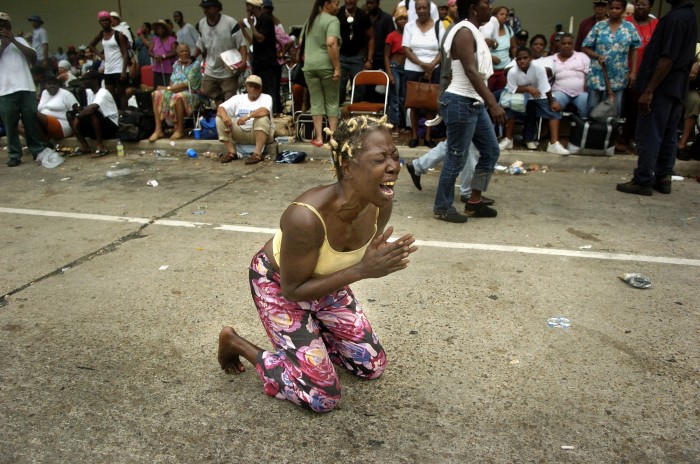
{"x":568,"y":447}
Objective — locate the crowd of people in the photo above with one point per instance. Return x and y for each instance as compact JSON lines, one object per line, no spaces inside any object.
{"x":534,"y":78}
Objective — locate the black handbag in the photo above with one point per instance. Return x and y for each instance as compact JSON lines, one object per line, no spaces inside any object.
{"x":296,"y":74}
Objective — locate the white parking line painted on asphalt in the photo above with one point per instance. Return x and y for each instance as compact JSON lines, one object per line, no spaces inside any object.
{"x":94,"y":217}
{"x":426,"y":243}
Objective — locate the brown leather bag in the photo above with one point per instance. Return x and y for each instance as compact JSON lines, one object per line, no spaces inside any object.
{"x":422,"y":95}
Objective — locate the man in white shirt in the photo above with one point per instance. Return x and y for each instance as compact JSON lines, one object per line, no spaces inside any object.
{"x":99,"y":119}
{"x":528,"y":79}
{"x":219,"y":33}
{"x":187,"y":34}
{"x":40,"y":40}
{"x":17,"y":93}
{"x":246,"y":119}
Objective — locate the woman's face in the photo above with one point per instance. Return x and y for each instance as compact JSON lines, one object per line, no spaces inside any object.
{"x":183,"y":53}
{"x":376,"y":168}
{"x":145,"y":28}
{"x":566,"y":47}
{"x":616,"y":9}
{"x":502,"y":15}
{"x":52,"y":87}
{"x":537,"y":47}
{"x":401,"y":22}
{"x":106,"y":23}
{"x":423,"y":10}
{"x":161,"y":31}
{"x":333,"y":7}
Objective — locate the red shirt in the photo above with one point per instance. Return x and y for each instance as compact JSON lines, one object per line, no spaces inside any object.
{"x":394,"y":40}
{"x":645,"y":31}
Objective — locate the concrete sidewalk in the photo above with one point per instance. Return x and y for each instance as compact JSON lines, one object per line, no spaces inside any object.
{"x":623,"y":163}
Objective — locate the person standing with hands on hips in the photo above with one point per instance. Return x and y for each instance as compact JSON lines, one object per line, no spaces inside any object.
{"x":330,"y":237}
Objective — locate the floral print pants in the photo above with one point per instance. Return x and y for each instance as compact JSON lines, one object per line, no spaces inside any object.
{"x":309,"y":337}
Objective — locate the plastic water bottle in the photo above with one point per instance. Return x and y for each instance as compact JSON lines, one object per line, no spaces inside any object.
{"x":119,"y":172}
{"x":120,"y":149}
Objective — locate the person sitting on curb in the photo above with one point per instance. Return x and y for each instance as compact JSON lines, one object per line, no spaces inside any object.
{"x":99,"y":119}
{"x":253,"y":125}
{"x":55,"y":103}
{"x":531,"y":79}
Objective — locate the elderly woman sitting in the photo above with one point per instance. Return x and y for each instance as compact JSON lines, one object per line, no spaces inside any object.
{"x":176,"y":101}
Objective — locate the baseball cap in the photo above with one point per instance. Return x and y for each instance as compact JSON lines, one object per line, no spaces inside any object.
{"x":254,"y":2}
{"x":268,"y":4}
{"x":600,"y":2}
{"x":65,"y":64}
{"x":522,"y":34}
{"x":114,"y":14}
{"x":35,"y":18}
{"x":451,"y":2}
{"x":253,"y":79}
{"x":4,"y":16}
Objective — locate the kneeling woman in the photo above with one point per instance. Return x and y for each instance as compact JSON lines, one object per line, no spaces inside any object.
{"x":176,"y":101}
{"x":329,"y":237}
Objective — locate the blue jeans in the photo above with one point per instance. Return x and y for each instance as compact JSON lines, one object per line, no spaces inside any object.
{"x":437,"y":154}
{"x":597,"y":96}
{"x":467,"y":121}
{"x":397,"y":95}
{"x":580,"y":102}
{"x":656,"y":139}
{"x":349,"y":66}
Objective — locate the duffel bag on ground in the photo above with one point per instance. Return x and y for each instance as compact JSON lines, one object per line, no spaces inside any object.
{"x":593,"y":138}
{"x":135,"y":124}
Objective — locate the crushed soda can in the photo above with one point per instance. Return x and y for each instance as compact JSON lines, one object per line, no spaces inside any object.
{"x":559,"y":321}
{"x":636,"y":280}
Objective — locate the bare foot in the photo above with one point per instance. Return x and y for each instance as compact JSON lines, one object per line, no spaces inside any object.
{"x":155,"y":136}
{"x":230,"y":350}
{"x":176,"y":135}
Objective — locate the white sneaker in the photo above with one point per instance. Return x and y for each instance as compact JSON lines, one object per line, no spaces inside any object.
{"x":505,"y":144}
{"x":557,"y":148}
{"x":434,"y":122}
{"x":532,"y":145}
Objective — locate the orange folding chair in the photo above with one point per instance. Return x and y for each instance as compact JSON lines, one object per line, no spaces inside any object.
{"x":373,"y":78}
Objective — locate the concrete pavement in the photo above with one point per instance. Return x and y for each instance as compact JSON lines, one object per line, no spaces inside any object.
{"x":117,"y":292}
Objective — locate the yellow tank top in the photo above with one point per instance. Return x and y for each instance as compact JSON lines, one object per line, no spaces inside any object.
{"x":329,"y":260}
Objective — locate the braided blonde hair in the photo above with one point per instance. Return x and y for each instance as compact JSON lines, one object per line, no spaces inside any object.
{"x":348,"y":138}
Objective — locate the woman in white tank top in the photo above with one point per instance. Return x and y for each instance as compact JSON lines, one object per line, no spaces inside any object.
{"x":115,"y":58}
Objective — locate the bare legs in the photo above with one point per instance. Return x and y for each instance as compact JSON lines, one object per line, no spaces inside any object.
{"x":158,"y":132}
{"x":688,"y":125}
{"x":231,"y":347}
{"x":318,"y":126}
{"x":179,"y":123}
{"x":96,"y":127}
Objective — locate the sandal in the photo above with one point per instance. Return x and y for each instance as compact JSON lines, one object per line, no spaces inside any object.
{"x":254,"y":158}
{"x":77,"y":152}
{"x":99,"y":153}
{"x":228,"y":157}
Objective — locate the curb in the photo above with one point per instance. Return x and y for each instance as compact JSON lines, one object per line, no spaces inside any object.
{"x":622,"y":163}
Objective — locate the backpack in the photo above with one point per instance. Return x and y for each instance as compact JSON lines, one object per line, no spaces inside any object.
{"x":135,"y":124}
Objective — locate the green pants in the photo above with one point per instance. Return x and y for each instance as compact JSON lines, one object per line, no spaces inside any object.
{"x":324,"y":93}
{"x":13,"y":107}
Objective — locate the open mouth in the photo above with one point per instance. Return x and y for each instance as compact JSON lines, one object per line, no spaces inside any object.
{"x":387,"y":188}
